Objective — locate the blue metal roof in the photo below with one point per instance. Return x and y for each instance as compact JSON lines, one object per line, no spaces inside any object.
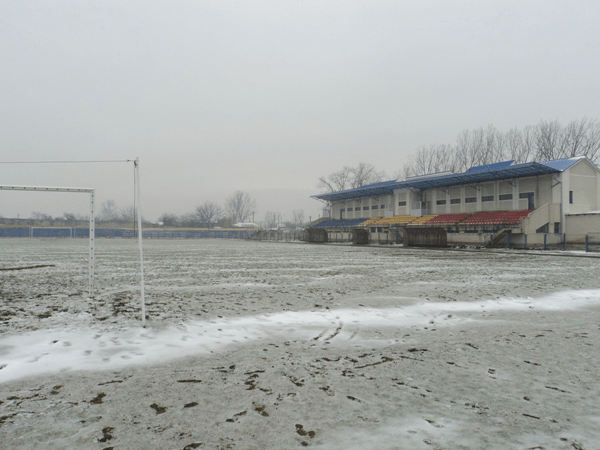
{"x":374,"y":185}
{"x":480,"y":174}
{"x":500,"y":165}
{"x":384,"y":188}
{"x":563,"y":164}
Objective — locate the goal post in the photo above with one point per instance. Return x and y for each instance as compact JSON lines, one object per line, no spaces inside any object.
{"x":92,"y":222}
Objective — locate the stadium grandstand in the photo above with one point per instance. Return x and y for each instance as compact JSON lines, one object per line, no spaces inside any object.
{"x":552,"y":202}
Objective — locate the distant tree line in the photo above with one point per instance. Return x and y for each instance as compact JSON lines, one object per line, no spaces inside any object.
{"x":239,"y":207}
{"x":351,"y":178}
{"x":108,"y":213}
{"x":545,"y":141}
{"x":276,"y":220}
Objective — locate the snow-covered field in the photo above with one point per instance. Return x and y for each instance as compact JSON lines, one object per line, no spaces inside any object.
{"x":253,"y":345}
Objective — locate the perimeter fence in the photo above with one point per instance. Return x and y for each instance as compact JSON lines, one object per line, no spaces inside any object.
{"x":65,"y":232}
{"x":589,"y":242}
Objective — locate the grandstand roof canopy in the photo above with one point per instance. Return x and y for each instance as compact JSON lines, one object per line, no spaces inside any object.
{"x":475,"y":175}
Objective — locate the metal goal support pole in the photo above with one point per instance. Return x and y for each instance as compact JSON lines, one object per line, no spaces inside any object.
{"x":92,"y":242}
{"x":139,"y":220}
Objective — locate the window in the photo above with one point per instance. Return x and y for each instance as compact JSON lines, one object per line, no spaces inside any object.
{"x":505,"y":197}
{"x":440,"y":202}
{"x":342,"y":210}
{"x":365,"y":208}
{"x":525,"y":194}
{"x":374,"y":207}
{"x":470,"y":199}
{"x":382,"y":207}
{"x":454,"y":201}
{"x":571,"y":197}
{"x":487,"y":198}
{"x":401,"y":203}
{"x":349,"y":209}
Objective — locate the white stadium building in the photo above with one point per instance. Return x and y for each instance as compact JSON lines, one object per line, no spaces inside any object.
{"x":536,"y":203}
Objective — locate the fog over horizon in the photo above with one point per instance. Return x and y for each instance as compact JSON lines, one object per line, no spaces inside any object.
{"x":266,"y":97}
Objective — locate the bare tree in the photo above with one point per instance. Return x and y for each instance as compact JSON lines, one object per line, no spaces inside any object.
{"x":239,"y":207}
{"x":497,"y":144}
{"x":127,"y":214}
{"x":590,"y":146}
{"x":365,"y":174}
{"x":351,"y":178}
{"x":169,"y":220}
{"x":189,"y":220}
{"x":108,"y":210}
{"x":271,"y":219}
{"x":433,"y":159}
{"x":208,"y":213}
{"x":445,"y":154}
{"x":543,"y":142}
{"x":581,"y":137}
{"x":548,"y":142}
{"x":36,"y":215}
{"x":337,"y":181}
{"x":423,"y":160}
{"x":463,"y":143}
{"x":406,"y":171}
{"x":514,"y":144}
{"x":530,"y":134}
{"x":476,"y":151}
{"x":298,"y":217}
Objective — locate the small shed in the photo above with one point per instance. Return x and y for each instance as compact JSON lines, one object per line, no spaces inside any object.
{"x":360,"y":236}
{"x":424,"y":237}
{"x":316,"y":235}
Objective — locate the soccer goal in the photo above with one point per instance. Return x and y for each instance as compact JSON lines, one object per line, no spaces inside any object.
{"x":90,"y":191}
{"x":92,"y":228}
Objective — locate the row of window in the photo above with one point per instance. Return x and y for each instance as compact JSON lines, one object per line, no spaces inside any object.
{"x":485,"y":198}
{"x":455,"y":201}
{"x":364,"y":208}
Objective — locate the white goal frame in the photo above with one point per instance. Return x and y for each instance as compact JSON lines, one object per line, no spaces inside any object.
{"x":92,"y":222}
{"x":91,"y":191}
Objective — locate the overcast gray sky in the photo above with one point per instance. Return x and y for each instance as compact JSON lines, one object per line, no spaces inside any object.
{"x":266,"y":96}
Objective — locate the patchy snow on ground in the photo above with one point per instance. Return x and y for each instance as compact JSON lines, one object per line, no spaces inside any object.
{"x":59,"y":350}
{"x":255,"y":345}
